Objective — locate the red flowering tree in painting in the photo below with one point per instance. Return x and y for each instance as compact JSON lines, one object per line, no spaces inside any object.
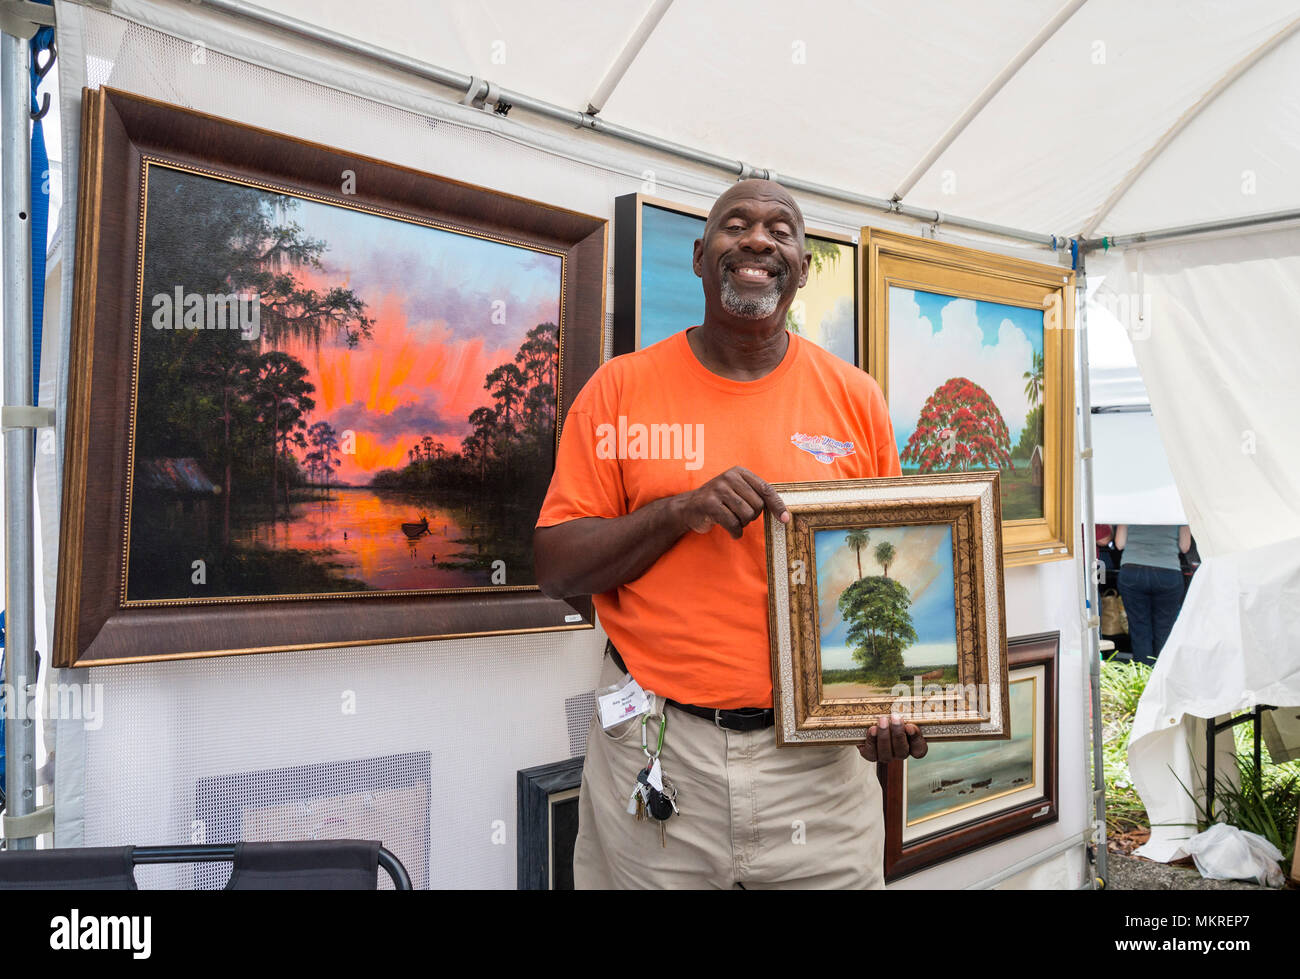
{"x":960,"y":428}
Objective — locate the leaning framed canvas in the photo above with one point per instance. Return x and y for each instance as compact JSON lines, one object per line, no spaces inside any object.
{"x":385,"y":798}
{"x":962,"y":796}
{"x":548,"y":825}
{"x":974,"y":352}
{"x":657,"y":293}
{"x":886,"y":596}
{"x":314,"y":398}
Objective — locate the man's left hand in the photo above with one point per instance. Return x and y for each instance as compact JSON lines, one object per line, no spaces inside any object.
{"x":890,"y":739}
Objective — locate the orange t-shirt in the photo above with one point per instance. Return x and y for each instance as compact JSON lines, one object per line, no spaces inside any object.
{"x":656,"y":423}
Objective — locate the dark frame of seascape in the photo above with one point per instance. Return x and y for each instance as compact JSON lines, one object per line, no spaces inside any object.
{"x":987,"y":771}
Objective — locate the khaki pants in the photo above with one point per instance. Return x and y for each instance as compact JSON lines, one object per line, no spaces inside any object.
{"x":751,"y":813}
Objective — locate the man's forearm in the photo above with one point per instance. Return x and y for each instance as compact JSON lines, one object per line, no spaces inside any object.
{"x":595,"y":554}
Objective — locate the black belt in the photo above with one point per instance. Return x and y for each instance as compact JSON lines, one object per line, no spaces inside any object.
{"x":740,"y":719}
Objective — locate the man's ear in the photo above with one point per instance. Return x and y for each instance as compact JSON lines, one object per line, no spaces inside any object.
{"x":803,"y":270}
{"x":697,"y":257}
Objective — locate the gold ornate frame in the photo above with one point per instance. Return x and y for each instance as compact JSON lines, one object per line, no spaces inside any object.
{"x":892,"y":259}
{"x":970,"y":503}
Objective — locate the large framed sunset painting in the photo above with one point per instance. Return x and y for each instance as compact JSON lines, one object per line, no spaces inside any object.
{"x":316,"y":412}
{"x":385,"y":422}
{"x":973,"y":351}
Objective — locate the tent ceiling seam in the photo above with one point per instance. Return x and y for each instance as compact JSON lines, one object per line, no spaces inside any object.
{"x":1228,"y":79}
{"x":990,"y":91}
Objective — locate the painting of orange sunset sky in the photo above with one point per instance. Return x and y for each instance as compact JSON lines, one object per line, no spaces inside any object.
{"x":378,"y":415}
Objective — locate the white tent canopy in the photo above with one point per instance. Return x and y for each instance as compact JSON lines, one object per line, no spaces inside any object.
{"x":1123,"y":116}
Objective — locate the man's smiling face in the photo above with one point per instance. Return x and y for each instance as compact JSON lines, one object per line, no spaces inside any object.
{"x":752,"y":257}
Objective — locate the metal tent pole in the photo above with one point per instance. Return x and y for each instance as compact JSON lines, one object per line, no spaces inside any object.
{"x":1090,"y":646}
{"x":1192,"y":230}
{"x":20,"y":610}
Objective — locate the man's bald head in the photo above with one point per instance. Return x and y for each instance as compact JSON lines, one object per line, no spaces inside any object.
{"x":752,"y":189}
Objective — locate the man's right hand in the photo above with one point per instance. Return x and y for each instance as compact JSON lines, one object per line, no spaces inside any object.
{"x":730,"y":500}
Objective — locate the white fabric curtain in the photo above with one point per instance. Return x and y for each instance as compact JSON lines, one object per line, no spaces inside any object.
{"x":1219,"y":356}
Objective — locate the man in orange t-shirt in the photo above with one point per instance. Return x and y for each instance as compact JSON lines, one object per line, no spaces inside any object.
{"x":664,"y":466}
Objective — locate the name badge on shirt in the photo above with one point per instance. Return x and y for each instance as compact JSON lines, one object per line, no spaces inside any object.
{"x":622,"y":704}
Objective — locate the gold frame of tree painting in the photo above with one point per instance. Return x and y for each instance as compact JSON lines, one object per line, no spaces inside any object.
{"x":885,"y":596}
{"x":974,"y":352}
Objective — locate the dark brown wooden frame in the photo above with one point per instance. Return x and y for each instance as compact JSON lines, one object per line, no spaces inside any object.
{"x":121,"y":135}
{"x":887,"y":502}
{"x":1042,"y":649}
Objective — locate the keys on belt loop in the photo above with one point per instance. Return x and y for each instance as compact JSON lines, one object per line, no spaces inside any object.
{"x":645,"y":724}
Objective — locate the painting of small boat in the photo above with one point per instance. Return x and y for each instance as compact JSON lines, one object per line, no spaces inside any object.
{"x":415,"y":530}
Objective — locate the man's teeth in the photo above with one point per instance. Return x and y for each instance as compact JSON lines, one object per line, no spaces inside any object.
{"x":752,"y":273}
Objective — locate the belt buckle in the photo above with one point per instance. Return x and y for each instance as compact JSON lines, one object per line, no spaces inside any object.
{"x":717,"y":718}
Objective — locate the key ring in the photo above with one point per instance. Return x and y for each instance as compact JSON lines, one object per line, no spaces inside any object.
{"x":645,"y":744}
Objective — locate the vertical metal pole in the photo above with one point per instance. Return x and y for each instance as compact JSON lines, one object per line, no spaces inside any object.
{"x":1091,"y":644}
{"x":1211,"y":731}
{"x":20,"y":611}
{"x":1259,"y":776}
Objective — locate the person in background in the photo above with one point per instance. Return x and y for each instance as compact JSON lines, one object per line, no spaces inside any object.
{"x":1151,"y":583}
{"x":1105,"y":552}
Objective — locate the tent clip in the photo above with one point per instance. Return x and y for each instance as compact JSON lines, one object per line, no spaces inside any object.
{"x":489,"y":98}
{"x":25,"y":416}
{"x":22,"y":18}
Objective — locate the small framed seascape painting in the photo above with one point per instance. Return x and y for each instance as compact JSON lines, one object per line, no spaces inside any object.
{"x":965,"y":795}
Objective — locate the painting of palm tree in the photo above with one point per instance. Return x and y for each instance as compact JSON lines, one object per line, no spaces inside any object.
{"x":886,"y":614}
{"x":858,"y":539}
{"x":885,"y":554}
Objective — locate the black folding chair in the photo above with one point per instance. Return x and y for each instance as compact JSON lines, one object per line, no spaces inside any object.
{"x":289,"y":865}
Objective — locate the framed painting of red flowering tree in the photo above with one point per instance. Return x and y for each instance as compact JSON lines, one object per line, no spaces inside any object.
{"x":974,"y":353}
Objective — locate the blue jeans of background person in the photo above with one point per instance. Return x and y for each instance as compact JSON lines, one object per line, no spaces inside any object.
{"x":1152,"y":598}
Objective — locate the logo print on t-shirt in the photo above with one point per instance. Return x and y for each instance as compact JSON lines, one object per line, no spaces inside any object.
{"x":823,"y":448}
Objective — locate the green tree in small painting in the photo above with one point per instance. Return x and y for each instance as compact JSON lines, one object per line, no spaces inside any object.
{"x":878,"y":612}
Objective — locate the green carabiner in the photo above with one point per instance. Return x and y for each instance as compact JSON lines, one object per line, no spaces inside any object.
{"x":645,"y":743}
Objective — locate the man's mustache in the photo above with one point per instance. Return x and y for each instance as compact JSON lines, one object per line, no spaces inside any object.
{"x":776,"y":268}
